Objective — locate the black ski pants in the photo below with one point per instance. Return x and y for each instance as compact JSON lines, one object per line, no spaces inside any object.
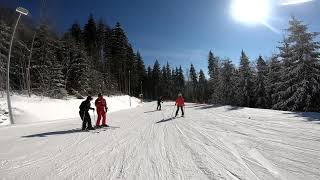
{"x":86,"y":120}
{"x":179,"y":107}
{"x":159,"y":106}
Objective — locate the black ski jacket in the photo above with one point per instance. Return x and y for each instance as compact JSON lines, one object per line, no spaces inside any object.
{"x":85,"y":106}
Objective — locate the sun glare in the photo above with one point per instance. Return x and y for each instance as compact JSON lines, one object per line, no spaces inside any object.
{"x":250,"y":11}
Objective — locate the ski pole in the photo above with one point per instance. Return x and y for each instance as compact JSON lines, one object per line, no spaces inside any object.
{"x":174,"y":107}
{"x":94,"y":117}
{"x":84,"y":113}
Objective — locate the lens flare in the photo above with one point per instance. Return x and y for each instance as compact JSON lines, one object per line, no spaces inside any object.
{"x":250,"y":11}
{"x":294,"y":2}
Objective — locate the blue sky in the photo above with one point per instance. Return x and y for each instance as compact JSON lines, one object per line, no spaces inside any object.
{"x":179,"y":31}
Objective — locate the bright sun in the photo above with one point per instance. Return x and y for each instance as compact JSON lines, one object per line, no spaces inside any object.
{"x":251,"y":11}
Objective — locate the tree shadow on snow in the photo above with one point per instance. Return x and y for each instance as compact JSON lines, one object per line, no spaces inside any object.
{"x":232,"y":108}
{"x":165,"y":120}
{"x":309,"y":116}
{"x":208,"y":106}
{"x":53,"y":133}
{"x":168,"y":105}
{"x":196,"y":105}
{"x":150,"y":111}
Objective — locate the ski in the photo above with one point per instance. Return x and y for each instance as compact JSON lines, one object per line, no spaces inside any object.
{"x":98,"y":130}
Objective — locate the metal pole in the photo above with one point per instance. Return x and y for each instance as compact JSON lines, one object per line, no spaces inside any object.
{"x":8,"y":72}
{"x":129,"y":89}
{"x":141,"y":87}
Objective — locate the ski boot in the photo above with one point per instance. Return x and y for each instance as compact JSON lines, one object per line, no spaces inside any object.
{"x":98,"y":127}
{"x":105,"y":125}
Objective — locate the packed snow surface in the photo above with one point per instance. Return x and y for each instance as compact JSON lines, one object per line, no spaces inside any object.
{"x":209,"y":143}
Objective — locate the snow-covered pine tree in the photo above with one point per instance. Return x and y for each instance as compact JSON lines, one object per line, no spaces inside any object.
{"x":300,"y":84}
{"x":46,"y":70}
{"x":202,"y":87}
{"x":131,"y":65}
{"x":4,"y":49}
{"x":76,"y":32}
{"x":148,"y":84}
{"x":107,"y":46}
{"x":227,"y":84}
{"x":75,"y":65}
{"x":174,"y":88}
{"x":193,"y":83}
{"x":246,"y":81}
{"x":17,"y":53}
{"x":273,"y":77}
{"x":164,"y":82}
{"x":180,"y":80}
{"x":261,"y":98}
{"x":119,"y":57}
{"x":141,"y":73}
{"x":90,"y":36}
{"x":103,"y":49}
{"x":214,"y":70}
{"x":57,"y":85}
{"x":169,"y":81}
{"x":82,"y":69}
{"x":156,"y":75}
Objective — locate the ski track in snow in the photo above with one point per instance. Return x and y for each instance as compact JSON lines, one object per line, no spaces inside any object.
{"x":209,"y":143}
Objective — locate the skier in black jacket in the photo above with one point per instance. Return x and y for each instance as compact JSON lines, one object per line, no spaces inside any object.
{"x":84,"y":114}
{"x":159,"y":101}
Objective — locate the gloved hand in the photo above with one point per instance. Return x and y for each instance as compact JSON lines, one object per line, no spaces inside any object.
{"x":107,"y":109}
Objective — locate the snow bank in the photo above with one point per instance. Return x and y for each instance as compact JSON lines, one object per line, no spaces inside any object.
{"x":39,"y":109}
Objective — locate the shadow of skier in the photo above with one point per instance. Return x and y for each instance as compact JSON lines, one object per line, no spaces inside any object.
{"x":150,"y":111}
{"x":165,"y":120}
{"x":53,"y":133}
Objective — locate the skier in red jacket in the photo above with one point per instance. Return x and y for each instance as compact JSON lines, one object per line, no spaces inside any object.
{"x":101,"y":106}
{"x":179,"y":104}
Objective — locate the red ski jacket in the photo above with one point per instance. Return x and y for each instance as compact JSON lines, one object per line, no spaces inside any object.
{"x":180,"y":101}
{"x":101,"y":104}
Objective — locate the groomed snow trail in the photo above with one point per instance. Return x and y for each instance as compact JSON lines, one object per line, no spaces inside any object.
{"x":209,"y":143}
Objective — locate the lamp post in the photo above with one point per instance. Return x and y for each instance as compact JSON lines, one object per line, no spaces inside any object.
{"x":21,"y":11}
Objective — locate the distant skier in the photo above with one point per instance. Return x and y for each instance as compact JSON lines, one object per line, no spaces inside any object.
{"x":102,"y":108}
{"x":160,"y":100}
{"x":84,"y":107}
{"x":179,"y":104}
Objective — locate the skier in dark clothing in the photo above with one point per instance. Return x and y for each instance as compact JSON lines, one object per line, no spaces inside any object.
{"x":179,"y":104}
{"x":84,"y":114}
{"x":159,"y":103}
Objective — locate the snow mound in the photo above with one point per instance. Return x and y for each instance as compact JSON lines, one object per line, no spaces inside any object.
{"x":4,"y":119}
{"x":41,"y":109}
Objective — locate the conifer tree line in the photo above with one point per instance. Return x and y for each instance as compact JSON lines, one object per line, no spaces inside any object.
{"x":288,"y":80}
{"x":81,"y":61}
{"x":99,"y":58}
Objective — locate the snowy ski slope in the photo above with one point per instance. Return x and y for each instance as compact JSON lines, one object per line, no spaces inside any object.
{"x":209,"y":143}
